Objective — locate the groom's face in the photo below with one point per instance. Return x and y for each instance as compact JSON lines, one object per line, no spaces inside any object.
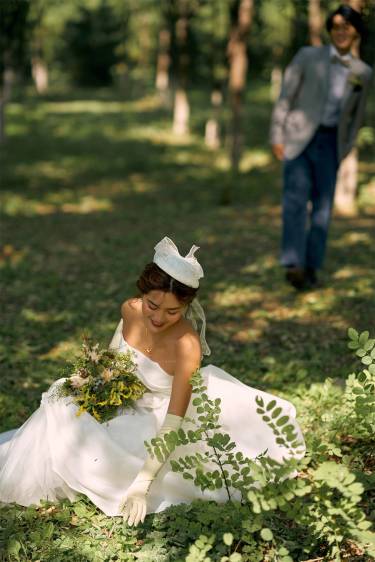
{"x":343,"y":34}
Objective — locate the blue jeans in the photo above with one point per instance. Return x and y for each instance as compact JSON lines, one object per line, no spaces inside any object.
{"x":311,"y":176}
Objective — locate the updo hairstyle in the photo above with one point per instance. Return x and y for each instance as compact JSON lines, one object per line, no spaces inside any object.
{"x":155,"y":279}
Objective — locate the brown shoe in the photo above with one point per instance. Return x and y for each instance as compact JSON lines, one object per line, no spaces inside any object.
{"x":296,"y":277}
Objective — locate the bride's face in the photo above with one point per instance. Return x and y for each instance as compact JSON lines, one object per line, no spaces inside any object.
{"x":161,"y":310}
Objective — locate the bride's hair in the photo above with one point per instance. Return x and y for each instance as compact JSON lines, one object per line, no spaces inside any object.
{"x":155,"y":279}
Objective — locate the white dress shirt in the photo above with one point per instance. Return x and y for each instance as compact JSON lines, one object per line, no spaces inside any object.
{"x":338,"y":75}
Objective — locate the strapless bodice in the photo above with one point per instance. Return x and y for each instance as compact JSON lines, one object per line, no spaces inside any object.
{"x":148,"y":371}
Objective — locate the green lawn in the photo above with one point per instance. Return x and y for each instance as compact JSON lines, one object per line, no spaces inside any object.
{"x":90,"y":184}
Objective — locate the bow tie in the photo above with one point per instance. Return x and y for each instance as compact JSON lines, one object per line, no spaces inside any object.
{"x":338,"y":60}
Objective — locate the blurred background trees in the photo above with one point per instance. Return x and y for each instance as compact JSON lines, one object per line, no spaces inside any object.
{"x":168,"y":47}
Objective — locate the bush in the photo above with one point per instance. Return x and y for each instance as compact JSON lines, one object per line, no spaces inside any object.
{"x":290,"y":511}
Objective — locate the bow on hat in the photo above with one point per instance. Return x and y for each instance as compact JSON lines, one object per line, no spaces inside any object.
{"x":186,"y":269}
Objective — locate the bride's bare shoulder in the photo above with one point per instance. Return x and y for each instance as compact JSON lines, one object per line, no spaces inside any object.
{"x":189,"y":343}
{"x":131,"y":308}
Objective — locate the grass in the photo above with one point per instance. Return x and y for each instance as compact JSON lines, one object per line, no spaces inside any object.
{"x":90,"y":184}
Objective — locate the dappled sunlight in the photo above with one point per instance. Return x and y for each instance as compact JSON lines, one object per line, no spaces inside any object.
{"x":147,"y":103}
{"x":347,"y":272}
{"x":254,"y":159}
{"x":10,"y":256}
{"x":17,"y":129}
{"x":261,"y":264}
{"x":62,"y":350}
{"x":351,"y":238}
{"x":233,"y":296}
{"x":85,"y":106}
{"x":17,"y":205}
{"x":49,"y":170}
{"x":159,"y":136}
{"x":36,"y":316}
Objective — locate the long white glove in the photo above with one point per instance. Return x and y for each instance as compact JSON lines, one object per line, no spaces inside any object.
{"x":134,"y":505}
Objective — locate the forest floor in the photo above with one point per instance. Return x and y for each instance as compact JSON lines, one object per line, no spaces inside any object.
{"x":90,"y":184}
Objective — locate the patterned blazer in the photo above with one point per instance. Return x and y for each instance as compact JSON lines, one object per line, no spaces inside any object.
{"x":298,"y":111}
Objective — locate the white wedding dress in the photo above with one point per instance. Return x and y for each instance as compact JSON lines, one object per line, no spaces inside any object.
{"x":56,"y":454}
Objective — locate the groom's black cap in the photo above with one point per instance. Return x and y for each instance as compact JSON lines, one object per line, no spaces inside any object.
{"x":350,"y":15}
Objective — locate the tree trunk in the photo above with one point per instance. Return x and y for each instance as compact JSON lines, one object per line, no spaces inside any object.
{"x":315,"y":23}
{"x":237,"y":76}
{"x":276,"y":81}
{"x":5,"y":91}
{"x":163,"y":63}
{"x":346,"y":187}
{"x":40,"y":74}
{"x":181,"y":113}
{"x":347,"y":180}
{"x":212,"y":133}
{"x":181,"y":103}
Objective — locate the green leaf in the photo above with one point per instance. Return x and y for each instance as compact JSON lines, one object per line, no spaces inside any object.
{"x":228,"y":539}
{"x":271,"y":405}
{"x":366,"y":360}
{"x":364,"y":525}
{"x":282,"y":421}
{"x":235,"y":557}
{"x":369,"y":344}
{"x":276,"y":412}
{"x":362,"y":377}
{"x":259,"y":401}
{"x":353,"y":334}
{"x":363,"y":337}
{"x":353,"y":345}
{"x":266,"y":534}
{"x":356,"y":488}
{"x":360,"y":352}
{"x":14,"y":547}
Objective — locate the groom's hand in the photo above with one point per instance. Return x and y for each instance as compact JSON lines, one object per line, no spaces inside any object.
{"x":278,"y":151}
{"x":134,"y":506}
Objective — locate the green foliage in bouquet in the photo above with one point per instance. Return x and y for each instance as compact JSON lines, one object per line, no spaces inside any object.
{"x":103,"y":381}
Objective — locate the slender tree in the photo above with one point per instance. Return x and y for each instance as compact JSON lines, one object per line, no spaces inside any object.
{"x":218,"y":31}
{"x":163,"y":60}
{"x":347,"y":180}
{"x":241,"y":18}
{"x":13,"y":34}
{"x":39,"y":66}
{"x":315,"y":23}
{"x":181,"y":113}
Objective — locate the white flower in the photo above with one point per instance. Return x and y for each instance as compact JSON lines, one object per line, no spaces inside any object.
{"x":76,"y":381}
{"x":93,"y":354}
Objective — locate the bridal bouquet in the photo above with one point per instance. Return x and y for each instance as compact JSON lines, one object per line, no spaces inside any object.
{"x":102,"y":381}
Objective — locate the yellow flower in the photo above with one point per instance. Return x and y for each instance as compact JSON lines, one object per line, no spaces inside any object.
{"x":107,"y":374}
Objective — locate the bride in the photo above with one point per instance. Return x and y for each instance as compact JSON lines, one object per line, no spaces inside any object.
{"x":56,"y":454}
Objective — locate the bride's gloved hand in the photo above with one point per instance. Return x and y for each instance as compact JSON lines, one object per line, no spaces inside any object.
{"x":134,"y":505}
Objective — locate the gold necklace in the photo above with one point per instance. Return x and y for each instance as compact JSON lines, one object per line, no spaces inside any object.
{"x":148,"y":349}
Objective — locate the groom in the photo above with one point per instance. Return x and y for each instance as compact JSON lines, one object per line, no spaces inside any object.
{"x":314,"y":125}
